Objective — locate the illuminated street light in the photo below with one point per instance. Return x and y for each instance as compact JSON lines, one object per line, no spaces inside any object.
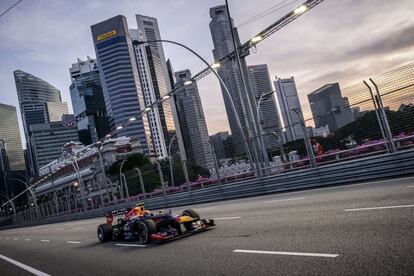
{"x":216,"y":65}
{"x":166,"y":97}
{"x":119,"y":127}
{"x":188,"y":82}
{"x":147,"y":109}
{"x":132,"y":119}
{"x":300,"y":9}
{"x":256,"y":39}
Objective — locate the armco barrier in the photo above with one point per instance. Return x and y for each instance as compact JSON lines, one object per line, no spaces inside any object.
{"x":370,"y":168}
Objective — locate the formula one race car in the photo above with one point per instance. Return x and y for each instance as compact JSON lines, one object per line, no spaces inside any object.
{"x":145,"y":227}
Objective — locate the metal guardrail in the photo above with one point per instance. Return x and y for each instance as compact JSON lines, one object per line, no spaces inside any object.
{"x":370,"y":168}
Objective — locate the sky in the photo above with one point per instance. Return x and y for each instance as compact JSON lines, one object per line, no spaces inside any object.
{"x":343,"y":41}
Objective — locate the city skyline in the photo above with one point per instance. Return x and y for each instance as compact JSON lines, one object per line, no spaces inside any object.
{"x":371,"y":49}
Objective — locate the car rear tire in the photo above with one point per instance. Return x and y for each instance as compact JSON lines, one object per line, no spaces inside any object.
{"x":104,"y":232}
{"x":191,"y":213}
{"x":145,"y":229}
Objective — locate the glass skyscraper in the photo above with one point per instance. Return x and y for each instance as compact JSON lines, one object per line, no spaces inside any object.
{"x":192,"y":122}
{"x":40,"y":103}
{"x":120,"y":79}
{"x":88,"y":101}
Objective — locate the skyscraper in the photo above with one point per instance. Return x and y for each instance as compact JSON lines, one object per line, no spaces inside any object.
{"x":192,"y":122}
{"x":229,"y":72}
{"x":11,"y":152}
{"x":329,"y":107}
{"x":48,"y":139}
{"x":288,"y":99}
{"x":269,"y":117}
{"x":120,"y":79}
{"x":88,"y":101}
{"x":40,"y":103}
{"x":156,"y":67}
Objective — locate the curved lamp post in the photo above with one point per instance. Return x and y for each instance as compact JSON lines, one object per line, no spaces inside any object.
{"x":170,"y":159}
{"x":137,"y":42}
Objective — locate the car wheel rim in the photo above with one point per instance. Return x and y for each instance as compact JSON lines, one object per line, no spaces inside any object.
{"x":100,"y":234}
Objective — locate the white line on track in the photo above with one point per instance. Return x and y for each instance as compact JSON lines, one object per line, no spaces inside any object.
{"x":74,"y":242}
{"x":411,"y":186}
{"x":15,"y":239}
{"x":287,"y":199}
{"x":287,"y":253}
{"x":27,"y":239}
{"x":23,"y":266}
{"x":44,"y":240}
{"x":226,"y":218}
{"x":379,"y":208}
{"x":130,"y":245}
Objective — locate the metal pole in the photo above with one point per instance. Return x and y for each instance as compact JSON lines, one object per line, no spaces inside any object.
{"x":262,"y":144}
{"x":170,"y":158}
{"x":53,"y":189}
{"x":126,"y":185}
{"x":216,"y":167}
{"x":380,"y":121}
{"x":77,"y":170}
{"x":250,"y":114}
{"x":120,"y":176}
{"x":308,"y":145}
{"x":141,"y":181}
{"x":384,"y":115}
{"x":233,"y":106}
{"x":103,"y":172}
{"x":161,"y":177}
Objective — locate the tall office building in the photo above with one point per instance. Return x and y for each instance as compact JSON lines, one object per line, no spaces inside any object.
{"x":229,"y":72}
{"x":288,"y":99}
{"x":329,"y":107}
{"x":48,"y":139}
{"x":156,"y":68}
{"x":269,"y":117}
{"x":192,"y":122}
{"x":120,"y":80}
{"x":222,"y":145}
{"x":88,"y":101}
{"x":11,"y":152}
{"x":40,"y":103}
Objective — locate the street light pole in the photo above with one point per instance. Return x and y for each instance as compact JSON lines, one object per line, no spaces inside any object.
{"x":216,"y":167}
{"x":170,"y":159}
{"x":233,"y":106}
{"x":121,"y":179}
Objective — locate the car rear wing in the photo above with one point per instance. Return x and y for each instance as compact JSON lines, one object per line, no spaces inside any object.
{"x":110,"y":215}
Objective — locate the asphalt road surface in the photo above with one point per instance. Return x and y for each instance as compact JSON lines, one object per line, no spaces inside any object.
{"x":361,"y":229}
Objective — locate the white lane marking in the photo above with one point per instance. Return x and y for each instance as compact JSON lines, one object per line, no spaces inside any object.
{"x":15,"y":239}
{"x":7,"y":238}
{"x":226,"y":218}
{"x":74,"y":242}
{"x":130,"y":245}
{"x":287,"y":199}
{"x":379,"y":208}
{"x":44,"y":240}
{"x":23,"y":266}
{"x":207,"y":208}
{"x":286,"y":253}
{"x":27,"y":239}
{"x":411,"y":186}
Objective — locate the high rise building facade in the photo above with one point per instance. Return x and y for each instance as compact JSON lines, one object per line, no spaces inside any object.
{"x":156,"y":66}
{"x":192,"y":122}
{"x":40,"y":103}
{"x":48,"y":139}
{"x":330,"y":108}
{"x":268,"y":116}
{"x":222,"y":145}
{"x":9,"y":132}
{"x":288,"y":99}
{"x":229,"y":72}
{"x":12,"y":163}
{"x":120,"y":80}
{"x":88,"y":101}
